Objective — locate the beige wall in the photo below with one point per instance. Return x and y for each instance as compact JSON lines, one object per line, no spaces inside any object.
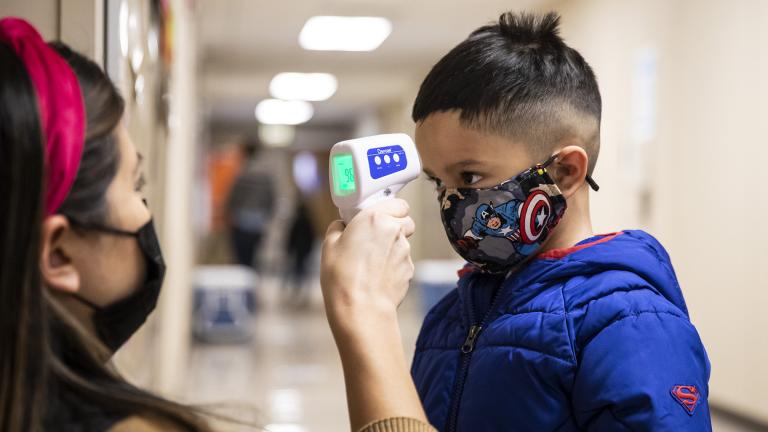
{"x":82,"y":27}
{"x":705,"y":176}
{"x":80,"y":24}
{"x":43,"y":14}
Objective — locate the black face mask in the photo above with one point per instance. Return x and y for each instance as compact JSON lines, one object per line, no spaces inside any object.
{"x":117,"y":322}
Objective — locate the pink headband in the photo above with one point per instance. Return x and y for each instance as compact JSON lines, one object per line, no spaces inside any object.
{"x":62,"y":113}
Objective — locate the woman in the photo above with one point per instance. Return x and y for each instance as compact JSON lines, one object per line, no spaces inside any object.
{"x":81,"y":267}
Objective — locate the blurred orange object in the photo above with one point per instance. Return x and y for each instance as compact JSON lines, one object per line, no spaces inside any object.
{"x":224,"y":164}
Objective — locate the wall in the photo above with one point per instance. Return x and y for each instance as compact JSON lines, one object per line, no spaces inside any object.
{"x":80,"y":24}
{"x":179,"y":238}
{"x":701,"y":191}
{"x":43,"y":14}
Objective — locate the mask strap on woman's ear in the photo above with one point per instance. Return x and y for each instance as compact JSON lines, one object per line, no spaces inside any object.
{"x":87,"y":302}
{"x":101,"y":228}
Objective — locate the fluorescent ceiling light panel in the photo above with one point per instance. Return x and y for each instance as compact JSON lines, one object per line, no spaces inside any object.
{"x":277,"y":135}
{"x":303,"y":86}
{"x":276,"y":111}
{"x":338,"y":33}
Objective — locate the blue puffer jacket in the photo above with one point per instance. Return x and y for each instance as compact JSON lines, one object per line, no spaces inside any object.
{"x":592,"y":338}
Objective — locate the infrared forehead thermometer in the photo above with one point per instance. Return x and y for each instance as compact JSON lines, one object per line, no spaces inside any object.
{"x":364,"y":171}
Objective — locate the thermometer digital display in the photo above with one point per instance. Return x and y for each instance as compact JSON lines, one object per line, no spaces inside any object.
{"x":366,"y":170}
{"x":343,"y":174}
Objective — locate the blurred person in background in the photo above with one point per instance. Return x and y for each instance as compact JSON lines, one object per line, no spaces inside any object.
{"x":250,"y":206}
{"x":299,"y":247}
{"x":81,"y":266}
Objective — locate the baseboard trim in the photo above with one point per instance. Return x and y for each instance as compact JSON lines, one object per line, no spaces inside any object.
{"x":749,"y":423}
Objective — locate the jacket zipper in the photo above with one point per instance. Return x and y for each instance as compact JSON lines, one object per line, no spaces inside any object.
{"x":467,"y":348}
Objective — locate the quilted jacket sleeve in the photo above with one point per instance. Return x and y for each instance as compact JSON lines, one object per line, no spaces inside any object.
{"x":646,"y":371}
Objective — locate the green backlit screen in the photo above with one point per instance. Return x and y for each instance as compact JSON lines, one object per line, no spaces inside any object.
{"x":343,"y":174}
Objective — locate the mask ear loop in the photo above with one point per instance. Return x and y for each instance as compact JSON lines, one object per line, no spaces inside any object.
{"x":101,"y":228}
{"x":87,"y":302}
{"x":548,"y":162}
{"x":590,"y":181}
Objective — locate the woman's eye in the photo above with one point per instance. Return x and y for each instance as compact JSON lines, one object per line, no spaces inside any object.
{"x":470,"y":178}
{"x":139,"y":186}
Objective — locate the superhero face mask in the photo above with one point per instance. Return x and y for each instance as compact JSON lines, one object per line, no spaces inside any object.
{"x":497,"y":228}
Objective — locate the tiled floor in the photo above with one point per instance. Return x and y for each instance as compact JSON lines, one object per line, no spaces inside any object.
{"x":289,"y":377}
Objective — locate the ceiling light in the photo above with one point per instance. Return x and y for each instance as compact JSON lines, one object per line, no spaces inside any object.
{"x":276,"y":135}
{"x":337,"y":33}
{"x":303,"y":86}
{"x":276,"y":111}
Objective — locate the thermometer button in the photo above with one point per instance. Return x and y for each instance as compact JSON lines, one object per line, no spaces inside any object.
{"x":386,"y":158}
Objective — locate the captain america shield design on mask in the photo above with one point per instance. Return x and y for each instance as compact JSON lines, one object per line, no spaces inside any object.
{"x":534,"y":216}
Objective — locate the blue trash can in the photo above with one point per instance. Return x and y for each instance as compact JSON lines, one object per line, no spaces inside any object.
{"x":435,"y":279}
{"x":225,"y":303}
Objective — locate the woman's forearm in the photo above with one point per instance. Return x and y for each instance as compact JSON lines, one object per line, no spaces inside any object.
{"x":366,"y":269}
{"x":378,"y":380}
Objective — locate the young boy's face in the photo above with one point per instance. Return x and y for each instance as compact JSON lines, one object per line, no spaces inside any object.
{"x":455,"y":156}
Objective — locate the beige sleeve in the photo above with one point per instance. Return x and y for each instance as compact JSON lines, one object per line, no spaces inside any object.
{"x":398,"y":424}
{"x":144,"y":424}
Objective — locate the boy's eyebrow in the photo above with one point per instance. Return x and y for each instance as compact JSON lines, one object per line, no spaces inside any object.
{"x":459,"y":164}
{"x":465,"y":163}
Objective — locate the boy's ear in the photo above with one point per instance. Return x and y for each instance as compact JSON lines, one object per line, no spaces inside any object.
{"x":570,"y":169}
{"x":56,"y":266}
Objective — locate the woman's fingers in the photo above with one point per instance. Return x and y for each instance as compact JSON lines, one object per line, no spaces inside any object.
{"x":334,"y":232}
{"x":372,"y":226}
{"x":408,"y":226}
{"x":332,"y":236}
{"x":396,"y":207}
{"x":367,"y":264}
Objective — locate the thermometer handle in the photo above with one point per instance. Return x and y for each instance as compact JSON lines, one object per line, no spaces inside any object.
{"x":348,"y":213}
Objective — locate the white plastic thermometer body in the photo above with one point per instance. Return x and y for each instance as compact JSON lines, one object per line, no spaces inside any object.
{"x":364,"y":171}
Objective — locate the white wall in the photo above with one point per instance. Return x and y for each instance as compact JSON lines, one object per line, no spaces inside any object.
{"x":175,"y":306}
{"x":705,"y":178}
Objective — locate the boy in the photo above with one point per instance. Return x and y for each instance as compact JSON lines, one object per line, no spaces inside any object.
{"x":551,"y":328}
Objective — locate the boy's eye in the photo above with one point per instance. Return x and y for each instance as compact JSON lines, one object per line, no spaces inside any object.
{"x":470,"y":178}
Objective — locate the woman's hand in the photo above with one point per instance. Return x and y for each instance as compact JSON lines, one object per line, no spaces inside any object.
{"x":366,"y":266}
{"x":365,"y":271}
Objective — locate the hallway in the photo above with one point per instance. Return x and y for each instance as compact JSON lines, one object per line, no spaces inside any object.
{"x":288,"y":377}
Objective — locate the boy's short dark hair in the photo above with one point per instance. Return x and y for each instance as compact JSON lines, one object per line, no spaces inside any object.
{"x":517,"y":78}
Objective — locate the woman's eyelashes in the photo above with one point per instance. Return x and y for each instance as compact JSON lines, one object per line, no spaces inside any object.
{"x":139,"y":185}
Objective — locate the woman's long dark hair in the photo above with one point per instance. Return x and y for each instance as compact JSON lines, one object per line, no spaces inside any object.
{"x":23,"y":333}
{"x":46,"y":356}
